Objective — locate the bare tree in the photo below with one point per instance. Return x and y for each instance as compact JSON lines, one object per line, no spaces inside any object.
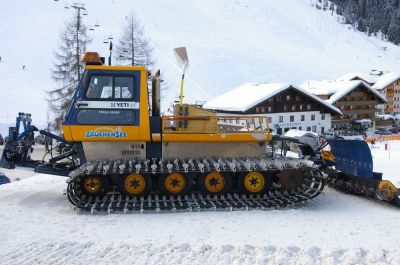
{"x":133,"y":47}
{"x":68,"y":67}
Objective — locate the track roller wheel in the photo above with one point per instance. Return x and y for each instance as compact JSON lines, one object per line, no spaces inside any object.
{"x":135,"y":184}
{"x":253,"y":182}
{"x":95,"y":185}
{"x":386,"y":191}
{"x":175,"y":183}
{"x":215,"y":183}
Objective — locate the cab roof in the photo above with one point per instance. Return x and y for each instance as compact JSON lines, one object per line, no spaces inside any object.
{"x":116,"y":67}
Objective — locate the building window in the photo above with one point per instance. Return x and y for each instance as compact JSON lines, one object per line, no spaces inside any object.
{"x":257,"y":110}
{"x":288,"y":97}
{"x":269,"y":109}
{"x":300,"y":128}
{"x":313,"y":117}
{"x":280,"y":118}
{"x":298,"y":98}
{"x":301,"y":107}
{"x":309,"y":129}
{"x":303,"y":117}
{"x":284,"y":107}
{"x":262,"y":109}
{"x":322,"y":130}
{"x":291,"y":118}
{"x":293,"y":107}
{"x":278,"y":98}
{"x":308,"y":106}
{"x":314,"y":128}
{"x":323,"y":116}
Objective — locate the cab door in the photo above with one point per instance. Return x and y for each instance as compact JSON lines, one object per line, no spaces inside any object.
{"x":106,"y":108}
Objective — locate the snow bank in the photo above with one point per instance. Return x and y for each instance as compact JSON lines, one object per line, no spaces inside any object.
{"x":91,"y":252}
{"x":39,"y":225}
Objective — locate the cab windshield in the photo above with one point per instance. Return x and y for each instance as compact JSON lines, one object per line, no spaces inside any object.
{"x":110,"y":87}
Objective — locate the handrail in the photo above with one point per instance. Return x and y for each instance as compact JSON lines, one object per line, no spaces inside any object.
{"x":215,"y":124}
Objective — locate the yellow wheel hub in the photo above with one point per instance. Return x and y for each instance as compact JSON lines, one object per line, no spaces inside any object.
{"x":92,"y":185}
{"x":175,"y":182}
{"x":134,"y":184}
{"x":214,"y":182}
{"x":254,"y":182}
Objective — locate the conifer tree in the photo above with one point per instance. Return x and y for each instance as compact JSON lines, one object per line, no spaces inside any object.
{"x":133,"y":47}
{"x":68,"y":68}
{"x":394,"y":28}
{"x":372,"y":16}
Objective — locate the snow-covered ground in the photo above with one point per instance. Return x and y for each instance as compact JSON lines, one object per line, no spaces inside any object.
{"x":39,"y":226}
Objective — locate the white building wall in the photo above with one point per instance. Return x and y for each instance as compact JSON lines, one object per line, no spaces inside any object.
{"x":308,"y":124}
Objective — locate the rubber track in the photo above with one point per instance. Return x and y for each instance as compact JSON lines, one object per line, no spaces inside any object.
{"x":113,"y":201}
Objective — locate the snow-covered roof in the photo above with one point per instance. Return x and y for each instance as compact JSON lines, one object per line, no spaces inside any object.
{"x":336,"y":89}
{"x":386,"y":79}
{"x":364,"y":121}
{"x":371,"y":79}
{"x":250,"y":94}
{"x":299,"y":133}
{"x":386,"y":117}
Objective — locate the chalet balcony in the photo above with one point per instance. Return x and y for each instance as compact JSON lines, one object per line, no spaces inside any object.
{"x":361,"y":111}
{"x":357,"y":102}
{"x":389,"y":110}
{"x":343,"y":120}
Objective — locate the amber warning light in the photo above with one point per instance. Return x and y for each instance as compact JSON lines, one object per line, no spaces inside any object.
{"x":92,"y":58}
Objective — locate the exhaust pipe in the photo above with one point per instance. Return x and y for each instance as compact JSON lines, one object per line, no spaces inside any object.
{"x":155,"y":95}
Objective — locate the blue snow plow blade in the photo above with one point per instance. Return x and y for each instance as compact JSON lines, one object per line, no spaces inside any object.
{"x":4,"y":179}
{"x":353,"y":157}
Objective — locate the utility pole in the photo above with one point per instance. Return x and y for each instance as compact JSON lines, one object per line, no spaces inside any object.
{"x":109,"y":58}
{"x":78,"y":7}
{"x":133,"y":41}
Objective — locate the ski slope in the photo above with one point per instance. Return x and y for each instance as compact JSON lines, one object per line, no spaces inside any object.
{"x":229,"y":43}
{"x":39,"y":226}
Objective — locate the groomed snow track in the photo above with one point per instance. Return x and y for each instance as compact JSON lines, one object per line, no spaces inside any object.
{"x":274,"y":197}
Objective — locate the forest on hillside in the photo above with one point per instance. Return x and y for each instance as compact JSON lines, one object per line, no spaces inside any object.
{"x":369,"y":16}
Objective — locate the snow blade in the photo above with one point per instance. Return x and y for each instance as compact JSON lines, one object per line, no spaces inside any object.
{"x":182,"y":57}
{"x":352,"y":157}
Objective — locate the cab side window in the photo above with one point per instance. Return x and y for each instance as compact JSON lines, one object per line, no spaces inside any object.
{"x":123,"y":87}
{"x":109,"y":87}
